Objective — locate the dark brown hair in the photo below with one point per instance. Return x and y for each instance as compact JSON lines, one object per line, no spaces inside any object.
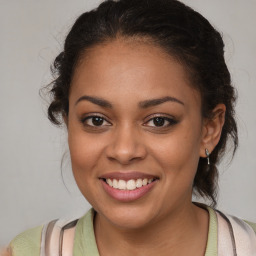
{"x":179,"y":30}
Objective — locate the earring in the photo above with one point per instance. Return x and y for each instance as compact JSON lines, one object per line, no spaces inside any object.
{"x":208,"y":156}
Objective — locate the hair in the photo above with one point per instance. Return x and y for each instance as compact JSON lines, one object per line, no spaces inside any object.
{"x":182,"y":33}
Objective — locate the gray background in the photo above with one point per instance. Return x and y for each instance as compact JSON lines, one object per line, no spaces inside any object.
{"x":31,"y":149}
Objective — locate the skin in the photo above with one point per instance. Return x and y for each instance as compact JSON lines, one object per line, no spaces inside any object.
{"x":5,"y":252}
{"x":125,"y":73}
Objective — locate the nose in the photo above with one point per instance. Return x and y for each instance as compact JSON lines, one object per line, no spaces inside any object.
{"x":126,"y":146}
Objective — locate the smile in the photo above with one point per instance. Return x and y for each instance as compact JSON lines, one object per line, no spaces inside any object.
{"x":128,"y":185}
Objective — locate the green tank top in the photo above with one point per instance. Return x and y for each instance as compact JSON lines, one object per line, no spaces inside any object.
{"x":28,"y":243}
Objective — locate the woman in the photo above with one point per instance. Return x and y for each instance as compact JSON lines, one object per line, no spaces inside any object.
{"x":146,"y":96}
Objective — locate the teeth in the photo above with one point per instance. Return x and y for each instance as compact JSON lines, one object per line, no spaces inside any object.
{"x":115,"y":183}
{"x":122,"y":184}
{"x":139,"y":183}
{"x":131,"y":185}
{"x":144,"y":182}
{"x":110,"y":183}
{"x":128,"y":185}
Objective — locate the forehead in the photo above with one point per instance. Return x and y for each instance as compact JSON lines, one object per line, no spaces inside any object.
{"x":130,"y":70}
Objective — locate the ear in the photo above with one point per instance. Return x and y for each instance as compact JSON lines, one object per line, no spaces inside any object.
{"x":212,"y":129}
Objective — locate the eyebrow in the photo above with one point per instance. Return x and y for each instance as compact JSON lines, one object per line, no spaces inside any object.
{"x":98,"y":101}
{"x":155,"y":102}
{"x":143,"y":104}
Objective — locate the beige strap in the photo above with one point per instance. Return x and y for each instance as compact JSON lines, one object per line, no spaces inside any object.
{"x":225,"y":243}
{"x":52,"y":239}
{"x":42,"y":246}
{"x":58,"y":238}
{"x":68,"y":242}
{"x":235,"y":237}
{"x":245,"y":237}
{"x":46,"y":238}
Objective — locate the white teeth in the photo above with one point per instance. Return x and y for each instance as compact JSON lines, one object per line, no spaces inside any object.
{"x":122,"y":184}
{"x":128,"y":185}
{"x":145,"y":182}
{"x":131,"y":185}
{"x":110,"y":183}
{"x":115,"y":183}
{"x":139,"y":183}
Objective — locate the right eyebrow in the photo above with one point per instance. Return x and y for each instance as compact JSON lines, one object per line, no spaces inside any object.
{"x":98,"y":101}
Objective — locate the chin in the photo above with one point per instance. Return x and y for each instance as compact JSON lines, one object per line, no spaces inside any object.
{"x":128,"y":217}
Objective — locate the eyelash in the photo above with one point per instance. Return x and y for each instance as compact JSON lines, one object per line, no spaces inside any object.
{"x":172,"y":121}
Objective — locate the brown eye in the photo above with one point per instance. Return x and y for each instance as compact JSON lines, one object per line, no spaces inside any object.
{"x":161,"y":121}
{"x":158,"y":121}
{"x":95,"y":121}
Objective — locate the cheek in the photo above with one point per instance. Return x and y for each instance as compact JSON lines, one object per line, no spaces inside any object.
{"x":82,"y":151}
{"x":85,"y":153}
{"x":178,"y":154}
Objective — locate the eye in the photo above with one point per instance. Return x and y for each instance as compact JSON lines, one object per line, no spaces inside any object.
{"x":95,"y":121}
{"x":161,"y":121}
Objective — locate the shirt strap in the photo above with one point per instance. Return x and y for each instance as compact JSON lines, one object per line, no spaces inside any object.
{"x":235,"y":236}
{"x":58,"y":238}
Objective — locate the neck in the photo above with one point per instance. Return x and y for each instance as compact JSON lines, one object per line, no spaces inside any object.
{"x":180,"y":233}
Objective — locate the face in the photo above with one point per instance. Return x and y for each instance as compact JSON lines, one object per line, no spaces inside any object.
{"x":135,"y":133}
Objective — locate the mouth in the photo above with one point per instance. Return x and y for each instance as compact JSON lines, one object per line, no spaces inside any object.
{"x":128,"y":186}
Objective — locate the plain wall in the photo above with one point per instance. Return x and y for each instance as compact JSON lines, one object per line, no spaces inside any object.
{"x":31,"y":186}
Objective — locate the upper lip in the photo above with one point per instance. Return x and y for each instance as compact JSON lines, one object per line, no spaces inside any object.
{"x":128,"y":175}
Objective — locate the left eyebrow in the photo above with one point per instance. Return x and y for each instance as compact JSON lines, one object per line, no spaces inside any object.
{"x":142,"y":104}
{"x":155,"y":102}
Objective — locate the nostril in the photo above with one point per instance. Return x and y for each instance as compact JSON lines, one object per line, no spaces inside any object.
{"x":126,"y":148}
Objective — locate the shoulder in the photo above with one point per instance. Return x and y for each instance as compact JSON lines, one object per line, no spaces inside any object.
{"x":27,"y":243}
{"x":51,"y":235}
{"x":252,"y":225}
{"x":233,"y":220}
{"x":85,"y":242}
{"x":237,"y":234}
{"x":238,"y":224}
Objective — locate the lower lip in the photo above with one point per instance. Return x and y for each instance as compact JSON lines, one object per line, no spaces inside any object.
{"x":127,"y":195}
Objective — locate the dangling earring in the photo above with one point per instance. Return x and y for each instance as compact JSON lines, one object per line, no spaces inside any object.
{"x":208,"y":156}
